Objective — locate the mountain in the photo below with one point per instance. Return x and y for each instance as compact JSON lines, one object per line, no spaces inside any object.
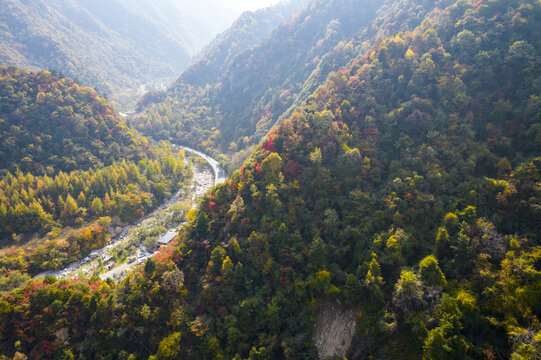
{"x":207,"y":18}
{"x":68,"y":163}
{"x":406,"y":188}
{"x":227,"y":101}
{"x":115,"y":46}
{"x":50,"y":124}
{"x":248,"y":31}
{"x":397,"y":209}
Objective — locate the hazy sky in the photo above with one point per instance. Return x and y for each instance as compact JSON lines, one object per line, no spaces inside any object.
{"x":243,"y":5}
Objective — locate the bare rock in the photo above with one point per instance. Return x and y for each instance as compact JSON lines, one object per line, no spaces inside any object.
{"x":334,"y":330}
{"x":118,"y":230}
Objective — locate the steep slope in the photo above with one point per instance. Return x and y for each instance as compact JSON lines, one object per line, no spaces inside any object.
{"x":249,"y":30}
{"x":229,"y":108}
{"x":407,"y":187}
{"x":115,"y":46}
{"x":50,"y":124}
{"x":235,"y":106}
{"x":208,"y":18}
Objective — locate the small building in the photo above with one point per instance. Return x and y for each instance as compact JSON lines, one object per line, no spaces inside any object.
{"x":166,"y":239}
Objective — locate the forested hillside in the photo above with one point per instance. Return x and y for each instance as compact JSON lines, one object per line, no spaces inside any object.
{"x":248,"y":31}
{"x":50,"y":123}
{"x":257,"y":86}
{"x":115,"y":46}
{"x":239,"y":100}
{"x":68,"y":160}
{"x":408,"y":187}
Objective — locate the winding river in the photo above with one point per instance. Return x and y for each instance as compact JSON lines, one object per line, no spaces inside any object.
{"x":203,"y":181}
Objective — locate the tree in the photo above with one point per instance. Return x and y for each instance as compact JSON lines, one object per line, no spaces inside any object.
{"x":527,"y":345}
{"x":521,"y":57}
{"x":504,"y":167}
{"x":464,"y":42}
{"x":169,"y":348}
{"x":217,"y":256}
{"x":468,"y":215}
{"x":200,"y":226}
{"x":451,"y":222}
{"x":445,"y":342}
{"x":150,"y":266}
{"x":107,"y":204}
{"x":227,"y":267}
{"x":81,"y":199}
{"x":70,"y":210}
{"x":237,"y":208}
{"x":315,"y":156}
{"x":318,"y":253}
{"x":159,"y":191}
{"x":408,"y":292}
{"x":431,"y":272}
{"x":96,"y":207}
{"x":373,"y":279}
{"x":270,"y":167}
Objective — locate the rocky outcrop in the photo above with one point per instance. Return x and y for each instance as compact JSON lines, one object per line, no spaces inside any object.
{"x":334,"y":330}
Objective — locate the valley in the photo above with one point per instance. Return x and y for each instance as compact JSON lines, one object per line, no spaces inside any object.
{"x":324,"y":179}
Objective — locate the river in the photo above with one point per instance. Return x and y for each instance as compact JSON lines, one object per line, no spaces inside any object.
{"x":203,"y":180}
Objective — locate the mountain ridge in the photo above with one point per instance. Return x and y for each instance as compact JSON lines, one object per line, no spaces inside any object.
{"x":407,"y":187}
{"x":115,"y":47}
{"x":264,"y":84}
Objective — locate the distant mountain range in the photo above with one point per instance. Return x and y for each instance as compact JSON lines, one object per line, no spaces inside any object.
{"x":115,"y":46}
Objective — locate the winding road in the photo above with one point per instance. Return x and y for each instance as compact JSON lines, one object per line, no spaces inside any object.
{"x":219,"y":173}
{"x":201,"y":185}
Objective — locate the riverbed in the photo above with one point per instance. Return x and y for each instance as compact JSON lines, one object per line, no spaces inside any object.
{"x":103,"y":259}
